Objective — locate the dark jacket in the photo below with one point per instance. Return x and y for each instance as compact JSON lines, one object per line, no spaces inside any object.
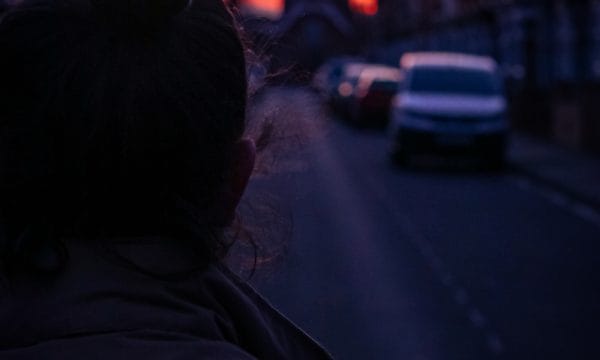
{"x":151,"y":306}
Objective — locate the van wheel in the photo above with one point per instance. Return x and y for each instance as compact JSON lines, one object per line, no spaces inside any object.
{"x":496,"y":161}
{"x":401,"y":157}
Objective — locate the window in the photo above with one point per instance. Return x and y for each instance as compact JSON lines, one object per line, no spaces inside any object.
{"x":454,"y":80}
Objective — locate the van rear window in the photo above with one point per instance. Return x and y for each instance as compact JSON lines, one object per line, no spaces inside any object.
{"x":384,"y":85}
{"x":454,"y":81}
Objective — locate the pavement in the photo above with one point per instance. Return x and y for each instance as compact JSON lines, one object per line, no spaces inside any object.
{"x":573,"y":173}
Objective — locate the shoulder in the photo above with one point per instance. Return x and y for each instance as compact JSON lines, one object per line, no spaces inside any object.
{"x":262,"y":329}
{"x":138,"y":344}
{"x":101,"y":307}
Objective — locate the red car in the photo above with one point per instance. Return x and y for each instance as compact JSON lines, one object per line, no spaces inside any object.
{"x":376,"y":86}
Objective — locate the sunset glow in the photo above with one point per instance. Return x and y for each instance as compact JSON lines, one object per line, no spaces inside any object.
{"x":269,"y":8}
{"x":366,"y":7}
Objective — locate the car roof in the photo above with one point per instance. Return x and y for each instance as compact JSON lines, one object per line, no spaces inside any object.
{"x":380,"y":72}
{"x":354,"y":69}
{"x":447,"y":59}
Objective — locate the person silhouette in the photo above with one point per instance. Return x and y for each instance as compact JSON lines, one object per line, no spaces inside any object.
{"x":122,"y":161}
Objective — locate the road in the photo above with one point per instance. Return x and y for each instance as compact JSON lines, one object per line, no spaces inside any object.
{"x":392,"y":263}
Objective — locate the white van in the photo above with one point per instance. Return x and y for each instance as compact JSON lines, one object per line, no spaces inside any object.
{"x":449,"y":103}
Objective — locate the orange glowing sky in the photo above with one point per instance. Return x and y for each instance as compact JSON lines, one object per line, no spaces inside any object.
{"x":367,"y":7}
{"x":274,"y":7}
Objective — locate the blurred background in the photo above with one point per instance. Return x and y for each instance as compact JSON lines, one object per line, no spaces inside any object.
{"x":548,"y":51}
{"x":437,"y":165}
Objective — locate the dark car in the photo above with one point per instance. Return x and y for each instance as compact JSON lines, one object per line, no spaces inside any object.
{"x":329,"y":75}
{"x":342,"y":96}
{"x":376,"y":86}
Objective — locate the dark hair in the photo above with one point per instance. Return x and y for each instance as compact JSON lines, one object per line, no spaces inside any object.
{"x":117,"y":118}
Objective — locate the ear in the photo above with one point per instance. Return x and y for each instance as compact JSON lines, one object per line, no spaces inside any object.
{"x":244,"y":155}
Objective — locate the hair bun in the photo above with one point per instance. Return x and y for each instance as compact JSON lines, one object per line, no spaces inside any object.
{"x":139,"y":13}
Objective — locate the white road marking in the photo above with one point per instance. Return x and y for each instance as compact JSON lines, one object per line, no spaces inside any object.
{"x":520,"y":181}
{"x":477,"y":318}
{"x":461,"y":297}
{"x":417,"y":237}
{"x":586,"y":212}
{"x":495,"y":344}
{"x":448,"y":280}
{"x":557,"y":198}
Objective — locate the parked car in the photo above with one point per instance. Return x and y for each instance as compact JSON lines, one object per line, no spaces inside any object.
{"x":375,"y":88}
{"x":342,"y":93}
{"x":449,"y":103}
{"x":328,"y":76}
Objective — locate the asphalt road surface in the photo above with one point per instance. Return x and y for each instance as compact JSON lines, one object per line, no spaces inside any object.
{"x":432,"y":263}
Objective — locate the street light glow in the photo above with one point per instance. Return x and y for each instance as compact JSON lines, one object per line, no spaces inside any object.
{"x":366,"y":7}
{"x":269,"y":8}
